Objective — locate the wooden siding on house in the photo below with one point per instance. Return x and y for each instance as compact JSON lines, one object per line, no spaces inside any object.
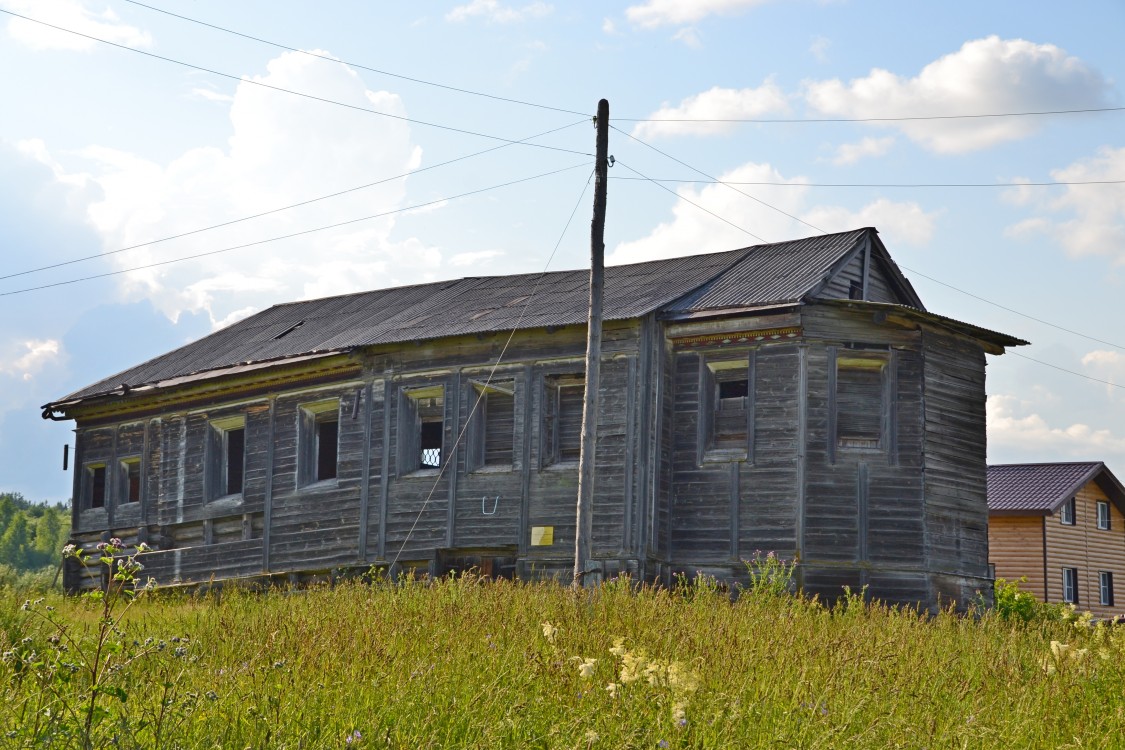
{"x":1015,"y":549}
{"x":1090,"y":550}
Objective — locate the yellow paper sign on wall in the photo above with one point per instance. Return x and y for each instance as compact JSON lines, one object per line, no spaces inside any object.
{"x":542,"y":536}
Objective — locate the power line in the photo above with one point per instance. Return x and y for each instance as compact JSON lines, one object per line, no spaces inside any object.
{"x":1063,"y":369}
{"x":277,"y":210}
{"x":288,"y":236}
{"x":313,"y":97}
{"x":803,"y":120}
{"x":710,"y":177}
{"x":357,"y":65}
{"x":877,"y":184}
{"x":492,"y":371}
{"x":701,"y":208}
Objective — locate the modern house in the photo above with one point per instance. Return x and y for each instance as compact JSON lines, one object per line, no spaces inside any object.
{"x":793,"y":397}
{"x":1061,"y":526}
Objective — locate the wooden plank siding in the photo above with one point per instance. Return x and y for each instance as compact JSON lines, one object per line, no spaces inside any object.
{"x":1015,"y":549}
{"x":1089,"y":549}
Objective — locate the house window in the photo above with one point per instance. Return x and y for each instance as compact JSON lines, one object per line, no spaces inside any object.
{"x":564,"y":396}
{"x":1066,"y":516}
{"x":318,"y":441}
{"x":422,"y":429}
{"x":1070,"y":585}
{"x":226,"y":457}
{"x":859,"y":402}
{"x":1105,"y":588}
{"x":129,"y":481}
{"x":95,"y":486}
{"x":492,"y":426}
{"x":724,"y":409}
{"x":1103,"y":514}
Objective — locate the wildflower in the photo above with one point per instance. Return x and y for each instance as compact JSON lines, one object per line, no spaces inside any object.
{"x":353,"y":737}
{"x":211,"y":695}
{"x":180,"y":652}
{"x":591,"y":737}
{"x":116,"y":542}
{"x":585,"y":666}
{"x":142,"y":547}
{"x":662,"y":743}
{"x":69,"y":550}
{"x":619,"y":649}
{"x":101,"y":546}
{"x":611,"y":688}
{"x":549,"y":631}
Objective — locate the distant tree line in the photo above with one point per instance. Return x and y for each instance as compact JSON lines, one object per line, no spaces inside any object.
{"x":32,"y":535}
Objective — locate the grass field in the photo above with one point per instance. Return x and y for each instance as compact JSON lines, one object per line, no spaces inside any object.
{"x":470,"y":663}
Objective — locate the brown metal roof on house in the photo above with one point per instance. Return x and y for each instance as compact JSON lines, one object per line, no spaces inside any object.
{"x":1039,"y":489}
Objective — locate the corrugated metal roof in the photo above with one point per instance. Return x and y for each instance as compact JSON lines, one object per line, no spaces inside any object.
{"x":1037,"y":488}
{"x":755,"y":276}
{"x":779,"y":272}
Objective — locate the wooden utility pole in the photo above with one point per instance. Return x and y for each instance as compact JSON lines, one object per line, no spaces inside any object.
{"x":585,"y":522}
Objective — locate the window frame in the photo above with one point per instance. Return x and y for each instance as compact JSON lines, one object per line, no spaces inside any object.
{"x":551,"y":444}
{"x":218,"y":457}
{"x":1068,"y":513}
{"x":860,"y":361}
{"x":123,"y":492}
{"x":1070,"y":580}
{"x":312,"y":416}
{"x":90,"y":483}
{"x":1103,"y":505}
{"x":713,"y":446}
{"x":482,"y":429}
{"x":420,"y":405}
{"x":1105,"y":588}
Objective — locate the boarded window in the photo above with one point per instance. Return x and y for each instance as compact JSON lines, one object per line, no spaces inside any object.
{"x":726,"y":408}
{"x":129,"y":484}
{"x":492,"y":426}
{"x":421,"y":435}
{"x":859,"y":403}
{"x":563,"y":418}
{"x":318,"y":441}
{"x":226,"y":457}
{"x":95,"y":486}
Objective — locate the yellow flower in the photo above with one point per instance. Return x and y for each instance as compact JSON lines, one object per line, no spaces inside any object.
{"x":549,"y":632}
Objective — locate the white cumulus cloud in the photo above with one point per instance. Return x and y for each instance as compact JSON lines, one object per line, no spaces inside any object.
{"x":496,"y":12}
{"x":990,"y":75}
{"x":715,"y":104}
{"x":70,"y":14}
{"x":671,"y":12}
{"x":691,"y":230}
{"x":850,"y":153}
{"x":281,"y":151}
{"x":25,"y":359}
{"x":1012,"y":427}
{"x":1084,"y":219}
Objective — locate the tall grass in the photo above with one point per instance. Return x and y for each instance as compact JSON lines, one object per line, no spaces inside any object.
{"x":469,"y":663}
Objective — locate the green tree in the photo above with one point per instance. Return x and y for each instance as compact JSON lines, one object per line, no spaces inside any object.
{"x":16,"y":543}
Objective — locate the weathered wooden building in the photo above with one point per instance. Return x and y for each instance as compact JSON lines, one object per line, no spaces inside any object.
{"x":1062,"y":527}
{"x":794,"y":397}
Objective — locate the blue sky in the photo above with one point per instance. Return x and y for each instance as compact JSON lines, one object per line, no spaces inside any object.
{"x":102,"y":148}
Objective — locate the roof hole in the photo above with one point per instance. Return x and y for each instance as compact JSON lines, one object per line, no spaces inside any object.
{"x":289,"y":330}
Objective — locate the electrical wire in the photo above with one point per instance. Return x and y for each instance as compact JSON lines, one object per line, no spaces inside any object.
{"x":688,"y":200}
{"x":289,"y":236}
{"x":278,"y":210}
{"x":1063,"y":369}
{"x":492,"y":371}
{"x":278,"y":45}
{"x":910,"y":118}
{"x":242,"y":79}
{"x":710,"y":177}
{"x":878,"y":184}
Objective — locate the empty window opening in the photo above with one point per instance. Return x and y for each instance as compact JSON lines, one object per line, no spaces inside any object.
{"x":855,"y":289}
{"x":130,"y":486}
{"x":430,"y":444}
{"x":319,"y":441}
{"x":226,"y":462}
{"x":95,"y":479}
{"x":235,"y":459}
